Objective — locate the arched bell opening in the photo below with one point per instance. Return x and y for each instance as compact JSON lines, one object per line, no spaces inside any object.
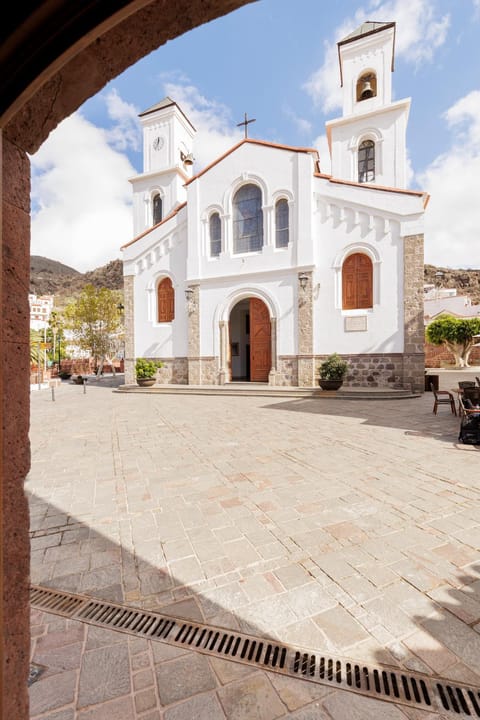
{"x":366,"y":86}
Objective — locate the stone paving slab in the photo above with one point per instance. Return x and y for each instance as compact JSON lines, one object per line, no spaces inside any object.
{"x":352,"y":527}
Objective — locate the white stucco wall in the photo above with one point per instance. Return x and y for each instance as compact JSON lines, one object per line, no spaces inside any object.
{"x":161,"y":253}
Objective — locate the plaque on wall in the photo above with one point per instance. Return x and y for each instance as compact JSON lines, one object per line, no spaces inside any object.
{"x":356,"y":323}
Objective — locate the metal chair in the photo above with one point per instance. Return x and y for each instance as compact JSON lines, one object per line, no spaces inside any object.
{"x":443,"y":397}
{"x":462,"y":384}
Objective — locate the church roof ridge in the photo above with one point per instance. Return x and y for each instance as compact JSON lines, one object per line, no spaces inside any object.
{"x":366,"y":28}
{"x":172,"y":214}
{"x":252,"y":141}
{"x":166,"y":102}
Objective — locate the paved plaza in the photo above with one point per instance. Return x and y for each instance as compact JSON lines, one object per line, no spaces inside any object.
{"x":347,"y":527}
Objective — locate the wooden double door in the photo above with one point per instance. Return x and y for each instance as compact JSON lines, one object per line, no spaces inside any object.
{"x":260,"y":341}
{"x":250,"y":341}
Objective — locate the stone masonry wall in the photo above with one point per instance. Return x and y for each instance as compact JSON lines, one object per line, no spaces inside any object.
{"x":194,"y":370}
{"x":305,"y":365}
{"x":414,"y":329}
{"x":376,"y":371}
{"x":128,"y":283}
{"x":174,"y":371}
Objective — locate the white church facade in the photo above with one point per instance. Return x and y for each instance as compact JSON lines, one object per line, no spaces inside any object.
{"x":260,"y":265}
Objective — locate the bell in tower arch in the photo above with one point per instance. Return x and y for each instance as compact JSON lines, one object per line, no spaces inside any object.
{"x":366,"y":87}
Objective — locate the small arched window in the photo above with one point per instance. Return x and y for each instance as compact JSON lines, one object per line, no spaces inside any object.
{"x":165,"y":301}
{"x":247,"y":219}
{"x":357,"y":282}
{"x":366,"y":161}
{"x":215,"y":231}
{"x":366,"y":86}
{"x":281,"y":224}
{"x":157,"y":209}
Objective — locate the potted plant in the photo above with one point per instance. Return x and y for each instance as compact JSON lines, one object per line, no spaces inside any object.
{"x":332,"y":372}
{"x":146,"y":371}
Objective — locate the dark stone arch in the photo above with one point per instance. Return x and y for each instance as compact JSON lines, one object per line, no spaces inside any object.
{"x":51,"y":62}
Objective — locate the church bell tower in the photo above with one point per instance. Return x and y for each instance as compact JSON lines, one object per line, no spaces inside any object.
{"x":167,"y":164}
{"x":368,"y":143}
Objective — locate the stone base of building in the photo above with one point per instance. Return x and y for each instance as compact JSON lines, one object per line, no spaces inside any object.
{"x":379,"y":370}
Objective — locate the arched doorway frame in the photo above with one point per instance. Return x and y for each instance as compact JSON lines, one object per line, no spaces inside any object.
{"x":54,"y":60}
{"x":222,"y":334}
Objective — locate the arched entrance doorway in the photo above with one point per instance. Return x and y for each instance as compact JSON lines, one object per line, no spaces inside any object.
{"x":250,"y":333}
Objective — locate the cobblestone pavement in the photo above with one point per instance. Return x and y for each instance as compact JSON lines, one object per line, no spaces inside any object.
{"x":347,"y":527}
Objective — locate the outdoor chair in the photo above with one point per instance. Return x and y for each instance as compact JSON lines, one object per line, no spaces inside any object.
{"x":478,"y":380}
{"x":443,"y":397}
{"x":472,"y":394}
{"x":469,"y":411}
{"x":462,"y":384}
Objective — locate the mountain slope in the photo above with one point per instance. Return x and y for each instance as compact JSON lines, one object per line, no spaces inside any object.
{"x":49,"y":277}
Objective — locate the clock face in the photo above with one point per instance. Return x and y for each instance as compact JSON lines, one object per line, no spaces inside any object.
{"x":158,"y":143}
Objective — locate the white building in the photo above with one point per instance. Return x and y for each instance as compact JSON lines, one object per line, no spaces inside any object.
{"x":260,"y":265}
{"x":40,"y":310}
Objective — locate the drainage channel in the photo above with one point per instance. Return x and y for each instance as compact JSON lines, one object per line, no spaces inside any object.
{"x":381,"y":682}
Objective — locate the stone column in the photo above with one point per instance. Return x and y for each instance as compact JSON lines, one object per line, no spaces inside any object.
{"x":15,"y":412}
{"x":223,"y":372}
{"x":272,"y":376}
{"x":414,"y":330}
{"x":193,"y":310}
{"x":128,"y":282}
{"x":306,"y":368}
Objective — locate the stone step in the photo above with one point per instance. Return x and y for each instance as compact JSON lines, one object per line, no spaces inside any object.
{"x":265,"y":390}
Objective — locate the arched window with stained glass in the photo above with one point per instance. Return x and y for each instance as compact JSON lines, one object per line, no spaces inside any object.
{"x":247,"y":219}
{"x":215,"y":233}
{"x":366,"y":161}
{"x":281,"y":224}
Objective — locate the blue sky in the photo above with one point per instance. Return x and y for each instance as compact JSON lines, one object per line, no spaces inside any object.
{"x":277,"y":61}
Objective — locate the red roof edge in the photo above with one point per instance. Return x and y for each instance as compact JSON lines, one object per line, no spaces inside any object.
{"x":149,"y":230}
{"x":383,"y":188}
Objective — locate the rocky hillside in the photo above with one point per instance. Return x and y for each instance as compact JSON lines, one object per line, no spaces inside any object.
{"x":466,"y":281}
{"x":49,"y":277}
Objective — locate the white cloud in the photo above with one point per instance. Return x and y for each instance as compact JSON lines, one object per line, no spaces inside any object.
{"x":125,"y":133}
{"x":452,"y":219}
{"x":216,"y":132}
{"x":303,"y":126}
{"x":81,"y":197}
{"x":419,"y":32}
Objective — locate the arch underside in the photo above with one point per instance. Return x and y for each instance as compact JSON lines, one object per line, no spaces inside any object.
{"x":54,"y":55}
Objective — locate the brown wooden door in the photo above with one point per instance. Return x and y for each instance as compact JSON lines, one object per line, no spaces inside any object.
{"x":357,"y":282}
{"x":260,"y":341}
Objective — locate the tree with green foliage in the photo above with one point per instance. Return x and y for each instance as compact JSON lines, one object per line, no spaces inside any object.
{"x":457,"y":334}
{"x":37,"y":353}
{"x":96,"y":322}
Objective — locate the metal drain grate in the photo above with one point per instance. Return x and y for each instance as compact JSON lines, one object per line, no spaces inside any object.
{"x":383,"y":683}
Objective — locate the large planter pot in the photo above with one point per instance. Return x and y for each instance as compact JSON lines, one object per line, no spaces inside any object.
{"x":330,"y":384}
{"x":146,"y":382}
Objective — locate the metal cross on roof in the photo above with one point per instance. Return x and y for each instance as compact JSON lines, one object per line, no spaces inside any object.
{"x":246,"y":122}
